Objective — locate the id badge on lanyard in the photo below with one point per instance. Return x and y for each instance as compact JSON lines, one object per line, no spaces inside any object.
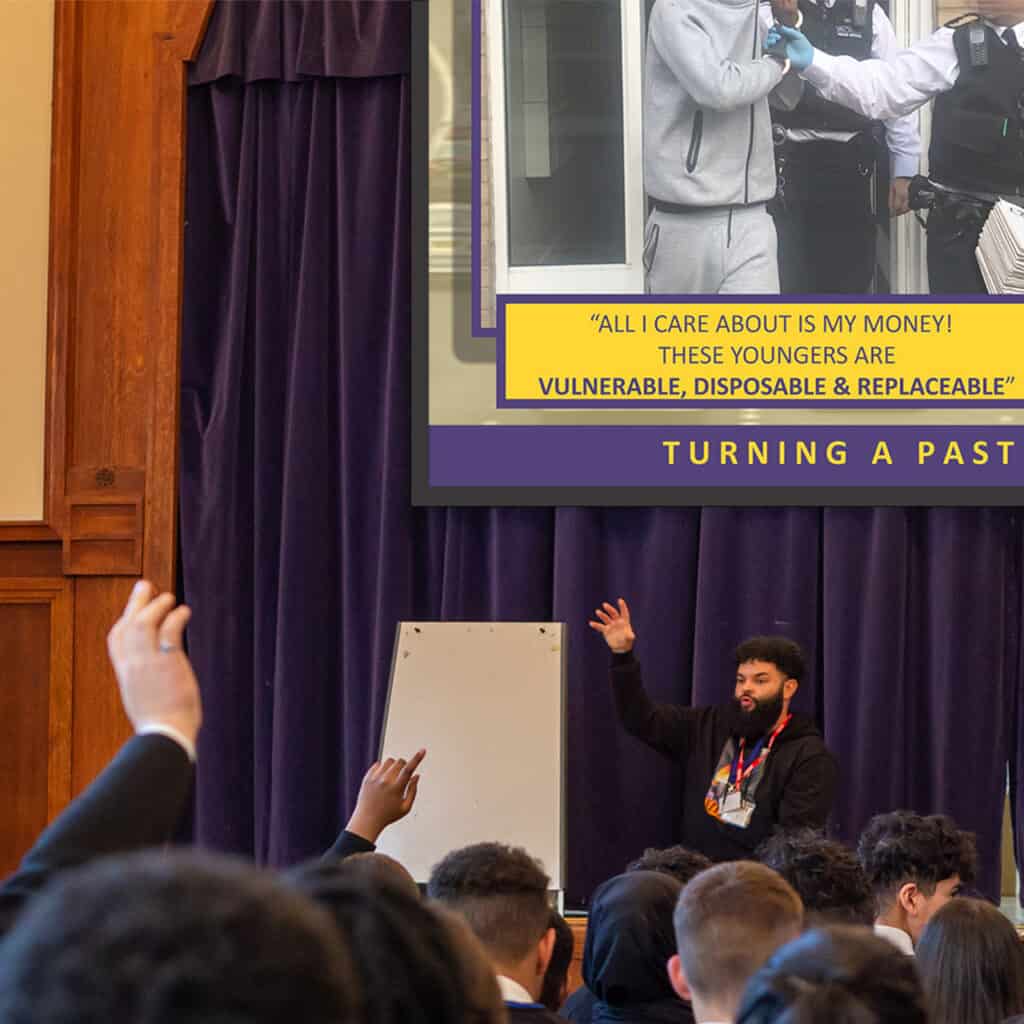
{"x":735,"y":810}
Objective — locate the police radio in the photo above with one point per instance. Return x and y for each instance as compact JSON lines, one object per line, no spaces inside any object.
{"x":977,"y":45}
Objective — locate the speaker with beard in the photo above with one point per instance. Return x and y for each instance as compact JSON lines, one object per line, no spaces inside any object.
{"x":750,"y":725}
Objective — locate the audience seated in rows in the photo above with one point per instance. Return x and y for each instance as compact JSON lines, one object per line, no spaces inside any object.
{"x":914,"y":865}
{"x":213,"y":940}
{"x":971,"y":962}
{"x":826,"y":875}
{"x":841,"y":974}
{"x":729,"y":920}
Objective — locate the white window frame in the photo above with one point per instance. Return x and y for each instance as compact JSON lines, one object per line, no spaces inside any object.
{"x":608,"y":279}
{"x":911,"y":20}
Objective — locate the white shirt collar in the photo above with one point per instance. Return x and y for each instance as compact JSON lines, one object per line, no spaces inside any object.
{"x":1018,"y":29}
{"x":513,"y":992}
{"x":897,"y":936}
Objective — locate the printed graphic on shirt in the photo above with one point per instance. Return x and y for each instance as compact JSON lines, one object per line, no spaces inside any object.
{"x":731,"y":803}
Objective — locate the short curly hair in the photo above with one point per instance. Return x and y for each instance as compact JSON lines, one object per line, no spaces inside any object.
{"x":680,"y":862}
{"x":174,"y":939}
{"x":785,"y":654}
{"x":501,"y":891}
{"x":825,"y":873}
{"x":903,"y":846}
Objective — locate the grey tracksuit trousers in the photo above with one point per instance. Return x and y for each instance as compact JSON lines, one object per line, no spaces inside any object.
{"x":708,"y":252}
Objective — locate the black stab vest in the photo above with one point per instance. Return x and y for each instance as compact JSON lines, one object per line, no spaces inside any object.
{"x":833,"y":30}
{"x":978,"y":125}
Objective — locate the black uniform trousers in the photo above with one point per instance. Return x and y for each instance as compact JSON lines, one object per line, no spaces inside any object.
{"x":824,"y":219}
{"x":953,"y":231}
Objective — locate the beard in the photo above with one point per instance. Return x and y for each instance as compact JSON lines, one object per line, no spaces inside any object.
{"x":752,"y":724}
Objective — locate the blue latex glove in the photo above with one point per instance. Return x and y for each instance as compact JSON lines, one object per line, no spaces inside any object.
{"x":791,"y":44}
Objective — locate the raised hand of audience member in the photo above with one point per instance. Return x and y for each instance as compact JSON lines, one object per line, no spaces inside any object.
{"x":615,"y":626}
{"x":158,"y":687}
{"x":386,"y":795}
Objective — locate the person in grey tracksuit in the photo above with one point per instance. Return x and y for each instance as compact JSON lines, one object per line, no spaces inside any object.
{"x":709,"y":165}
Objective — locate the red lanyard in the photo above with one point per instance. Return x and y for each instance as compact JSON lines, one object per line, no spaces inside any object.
{"x":741,"y":772}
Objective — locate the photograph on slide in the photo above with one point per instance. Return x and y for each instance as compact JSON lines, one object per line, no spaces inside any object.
{"x":645,"y":274}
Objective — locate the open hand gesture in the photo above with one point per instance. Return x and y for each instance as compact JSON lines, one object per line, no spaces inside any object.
{"x":615,"y":626}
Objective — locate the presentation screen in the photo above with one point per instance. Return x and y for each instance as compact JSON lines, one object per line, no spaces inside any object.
{"x":625,"y":296}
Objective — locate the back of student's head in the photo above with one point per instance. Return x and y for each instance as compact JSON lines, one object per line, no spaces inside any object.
{"x":556,"y":977}
{"x":630,"y":939}
{"x":826,"y":875}
{"x":902,"y":846}
{"x":971,"y":962}
{"x":501,"y":891}
{"x":728,"y":921}
{"x":678,"y":861}
{"x":374,"y":867}
{"x":404,"y":957}
{"x":484,"y":997}
{"x":174,"y":939}
{"x":842,"y":974}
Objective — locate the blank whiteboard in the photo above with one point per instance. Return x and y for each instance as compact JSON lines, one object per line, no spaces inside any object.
{"x":487,"y":701}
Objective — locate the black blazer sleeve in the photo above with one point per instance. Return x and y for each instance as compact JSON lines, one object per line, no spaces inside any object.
{"x":137,"y":801}
{"x":347,"y":844}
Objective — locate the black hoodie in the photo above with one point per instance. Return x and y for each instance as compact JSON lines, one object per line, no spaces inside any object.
{"x":629,"y":941}
{"x":795,"y":790}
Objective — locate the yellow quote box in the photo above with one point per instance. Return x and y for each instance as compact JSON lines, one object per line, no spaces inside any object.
{"x":702,"y":353}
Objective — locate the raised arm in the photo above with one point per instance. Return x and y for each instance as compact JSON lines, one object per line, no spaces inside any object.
{"x":138,"y":799}
{"x":666,"y":728}
{"x":694,"y":55}
{"x":386,"y":795}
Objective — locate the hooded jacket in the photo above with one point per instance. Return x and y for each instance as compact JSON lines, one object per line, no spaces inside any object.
{"x":629,"y":940}
{"x":707,"y":127}
{"x":796,"y":788}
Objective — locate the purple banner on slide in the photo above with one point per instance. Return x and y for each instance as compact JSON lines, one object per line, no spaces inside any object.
{"x":692,"y":456}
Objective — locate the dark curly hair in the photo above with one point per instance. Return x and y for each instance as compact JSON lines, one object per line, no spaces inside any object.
{"x":903,"y":846}
{"x":404,"y":958}
{"x":785,"y":654}
{"x":174,"y":939}
{"x":826,"y":874}
{"x":558,"y":965}
{"x":501,"y":891}
{"x":678,"y":861}
{"x":836,"y":975}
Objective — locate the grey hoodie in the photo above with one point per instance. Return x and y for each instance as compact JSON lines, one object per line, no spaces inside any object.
{"x":707,"y":129}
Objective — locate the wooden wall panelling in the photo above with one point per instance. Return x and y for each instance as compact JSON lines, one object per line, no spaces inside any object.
{"x":114,"y":303}
{"x":35,"y":708}
{"x":122,"y":324}
{"x":578,"y":924}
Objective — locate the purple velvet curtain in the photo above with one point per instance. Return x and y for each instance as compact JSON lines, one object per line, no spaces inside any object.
{"x":300,"y":550}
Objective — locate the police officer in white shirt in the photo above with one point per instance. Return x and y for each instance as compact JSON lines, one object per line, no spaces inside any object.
{"x":826,"y":153}
{"x":974,"y":66}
